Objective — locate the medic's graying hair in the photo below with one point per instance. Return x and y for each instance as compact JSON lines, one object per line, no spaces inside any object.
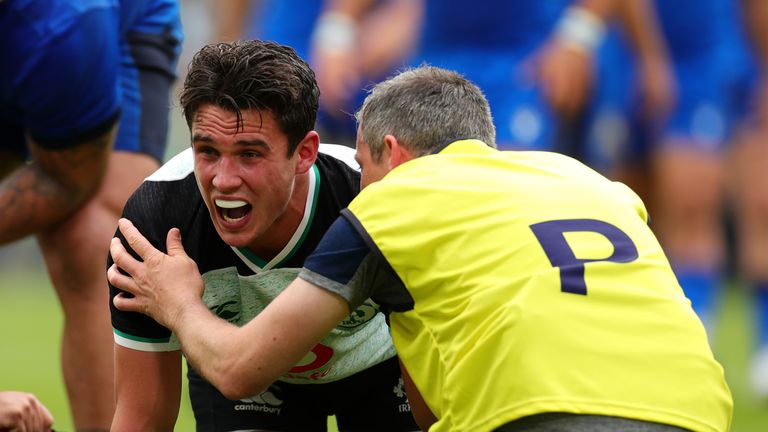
{"x":425,"y":108}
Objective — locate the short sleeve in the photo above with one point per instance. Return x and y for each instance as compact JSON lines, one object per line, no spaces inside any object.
{"x":338,"y":261}
{"x":349,"y":264}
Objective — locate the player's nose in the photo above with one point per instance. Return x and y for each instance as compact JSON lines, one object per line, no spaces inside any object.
{"x":226,"y":175}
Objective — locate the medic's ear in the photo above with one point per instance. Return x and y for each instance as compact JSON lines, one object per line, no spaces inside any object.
{"x":397,"y":153}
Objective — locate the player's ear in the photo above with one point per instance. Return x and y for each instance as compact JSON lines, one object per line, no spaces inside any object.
{"x":397,"y":153}
{"x":306,"y":152}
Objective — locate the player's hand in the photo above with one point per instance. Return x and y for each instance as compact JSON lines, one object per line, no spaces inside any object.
{"x":338,"y":78}
{"x":23,"y":412}
{"x":565,"y":74}
{"x":657,"y":87}
{"x":163,"y":286}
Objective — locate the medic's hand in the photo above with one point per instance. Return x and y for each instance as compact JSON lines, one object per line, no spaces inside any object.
{"x":162,"y":285}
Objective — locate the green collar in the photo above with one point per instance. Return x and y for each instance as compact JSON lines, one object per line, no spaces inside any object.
{"x":258,"y":264}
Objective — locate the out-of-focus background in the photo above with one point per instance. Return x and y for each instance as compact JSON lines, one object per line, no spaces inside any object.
{"x":30,"y":315}
{"x":31,"y":318}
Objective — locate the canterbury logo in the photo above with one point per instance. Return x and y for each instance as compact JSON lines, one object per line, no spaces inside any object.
{"x":266,"y":398}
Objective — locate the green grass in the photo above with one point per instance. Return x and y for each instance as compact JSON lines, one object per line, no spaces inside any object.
{"x":31,"y":321}
{"x":733,"y":345}
{"x":30,"y":329}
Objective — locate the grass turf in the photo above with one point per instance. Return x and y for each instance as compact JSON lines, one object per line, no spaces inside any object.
{"x":31,"y":322}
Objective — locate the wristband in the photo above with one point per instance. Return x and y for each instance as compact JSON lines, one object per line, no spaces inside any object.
{"x":334,"y":31}
{"x":581,"y":28}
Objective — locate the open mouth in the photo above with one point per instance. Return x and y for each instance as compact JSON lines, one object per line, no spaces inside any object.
{"x":233,"y":210}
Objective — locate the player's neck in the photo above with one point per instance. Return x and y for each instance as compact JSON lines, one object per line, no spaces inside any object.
{"x":279,"y":234}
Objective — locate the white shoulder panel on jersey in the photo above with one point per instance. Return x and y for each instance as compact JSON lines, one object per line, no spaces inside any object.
{"x":342,"y":153}
{"x":175,"y":169}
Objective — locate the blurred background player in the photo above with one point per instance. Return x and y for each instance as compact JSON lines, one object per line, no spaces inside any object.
{"x":533,"y":60}
{"x":634,"y":84}
{"x":350,"y":45}
{"x":708,"y":141}
{"x":76,"y":78}
{"x":750,"y":188}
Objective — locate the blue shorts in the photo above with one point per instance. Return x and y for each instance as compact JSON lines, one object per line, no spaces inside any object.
{"x":610,"y":134}
{"x":710,"y":104}
{"x":69,"y":70}
{"x":713,"y":94}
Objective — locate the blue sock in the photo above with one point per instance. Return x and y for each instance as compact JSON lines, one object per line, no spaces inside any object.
{"x":702,"y":288}
{"x":761,"y":313}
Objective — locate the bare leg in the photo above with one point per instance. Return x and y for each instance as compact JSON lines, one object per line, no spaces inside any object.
{"x":751,"y":203}
{"x":689,"y":193}
{"x":751,"y":200}
{"x":75,"y":253}
{"x":45,"y":192}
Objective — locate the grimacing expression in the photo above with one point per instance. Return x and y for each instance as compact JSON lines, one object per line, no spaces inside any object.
{"x":245,"y":176}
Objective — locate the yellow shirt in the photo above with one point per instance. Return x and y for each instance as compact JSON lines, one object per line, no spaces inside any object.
{"x":538,"y":287}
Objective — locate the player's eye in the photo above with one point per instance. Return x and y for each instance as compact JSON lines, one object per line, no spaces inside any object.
{"x":205,"y":150}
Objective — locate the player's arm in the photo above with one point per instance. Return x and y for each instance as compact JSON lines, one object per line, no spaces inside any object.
{"x":756,"y":22}
{"x":238,"y":361}
{"x":230,"y":18}
{"x":147,"y":364}
{"x":600,"y":10}
{"x":756,"y":17}
{"x":354,"y":41}
{"x":563,"y":65}
{"x":335,"y":52}
{"x":54,"y":184}
{"x":148,"y":390}
{"x":384,"y":46}
{"x":381,"y":42}
{"x":657,"y":84}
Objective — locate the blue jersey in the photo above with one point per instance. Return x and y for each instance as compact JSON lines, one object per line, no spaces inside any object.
{"x":689,"y":26}
{"x":489,"y":44}
{"x":498,"y":25}
{"x":288,"y":22}
{"x":291,"y":23}
{"x":69,"y":69}
{"x":715,"y":73}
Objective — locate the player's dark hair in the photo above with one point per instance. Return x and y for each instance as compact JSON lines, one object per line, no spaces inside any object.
{"x":254,"y":74}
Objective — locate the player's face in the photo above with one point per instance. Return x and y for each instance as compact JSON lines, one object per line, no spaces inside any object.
{"x":245,"y":176}
{"x":370,"y":170}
